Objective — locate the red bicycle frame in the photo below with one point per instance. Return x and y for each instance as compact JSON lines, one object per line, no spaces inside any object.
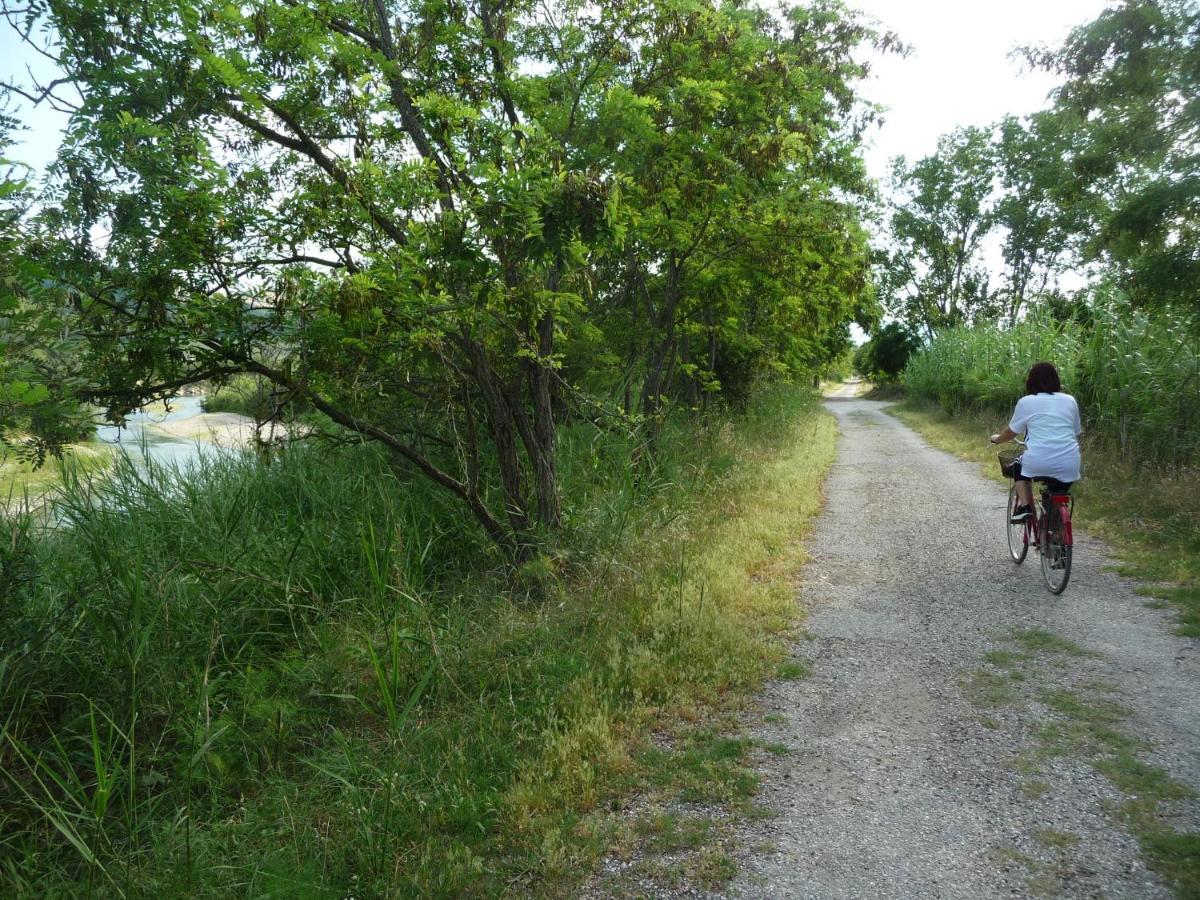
{"x":1064,"y":504}
{"x":1035,"y":526}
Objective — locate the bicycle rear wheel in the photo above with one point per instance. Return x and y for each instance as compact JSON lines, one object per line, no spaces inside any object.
{"x":1018,"y":546}
{"x":1056,"y":553}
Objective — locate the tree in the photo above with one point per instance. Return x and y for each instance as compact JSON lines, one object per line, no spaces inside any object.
{"x":38,"y":365}
{"x":739,"y":252}
{"x":407,"y":214}
{"x":929,"y":275}
{"x":1032,"y":166}
{"x":885,"y":355}
{"x":1132,"y":76}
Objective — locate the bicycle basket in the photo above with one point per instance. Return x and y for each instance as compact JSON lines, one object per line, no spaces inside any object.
{"x":1009,"y":462}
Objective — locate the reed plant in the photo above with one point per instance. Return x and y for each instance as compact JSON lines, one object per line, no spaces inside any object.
{"x":1135,"y":373}
{"x":309,"y":676}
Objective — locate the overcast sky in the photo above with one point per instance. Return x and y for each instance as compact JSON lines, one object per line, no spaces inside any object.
{"x":959,"y":71}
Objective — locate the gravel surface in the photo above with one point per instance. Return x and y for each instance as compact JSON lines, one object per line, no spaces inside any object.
{"x":899,"y":784}
{"x":905,"y":778}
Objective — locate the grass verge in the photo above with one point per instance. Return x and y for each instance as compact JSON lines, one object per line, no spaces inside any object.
{"x":1150,"y":515}
{"x":307,"y":677}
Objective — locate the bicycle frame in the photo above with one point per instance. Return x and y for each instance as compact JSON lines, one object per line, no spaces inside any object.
{"x":1036,"y":526}
{"x":1054,"y":546}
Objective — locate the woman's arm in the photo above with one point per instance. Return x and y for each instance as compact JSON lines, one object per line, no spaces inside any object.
{"x":1004,"y":436}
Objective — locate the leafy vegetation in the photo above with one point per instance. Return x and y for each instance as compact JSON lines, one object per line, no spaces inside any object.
{"x":35,"y":419}
{"x":309,"y":676}
{"x":884,"y":356}
{"x":455,"y":230}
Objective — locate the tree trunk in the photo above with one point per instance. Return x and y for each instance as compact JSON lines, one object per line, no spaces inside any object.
{"x":544,"y":430}
{"x":662,"y":350}
{"x":502,"y":427}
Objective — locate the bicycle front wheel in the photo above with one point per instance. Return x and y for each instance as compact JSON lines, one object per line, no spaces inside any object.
{"x":1056,"y":556}
{"x":1018,"y":546}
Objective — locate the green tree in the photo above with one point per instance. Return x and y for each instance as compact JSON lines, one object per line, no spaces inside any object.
{"x":885,"y":355}
{"x":929,"y":274}
{"x":1131,"y":79}
{"x":1031,"y":159}
{"x":729,"y":131}
{"x":446,"y":225}
{"x":38,"y":363}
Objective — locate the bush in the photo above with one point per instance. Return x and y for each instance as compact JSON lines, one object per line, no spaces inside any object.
{"x":885,"y":355}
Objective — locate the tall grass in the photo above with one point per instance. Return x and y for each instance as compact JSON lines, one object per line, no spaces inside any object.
{"x":1135,"y":374}
{"x":309,"y":677}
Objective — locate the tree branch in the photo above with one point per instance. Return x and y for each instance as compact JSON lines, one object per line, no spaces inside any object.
{"x":366,"y":429}
{"x":410,"y":120}
{"x":305,"y":145}
{"x":492,"y":39}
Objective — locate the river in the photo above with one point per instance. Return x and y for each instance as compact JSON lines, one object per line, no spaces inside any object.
{"x":175,"y":434}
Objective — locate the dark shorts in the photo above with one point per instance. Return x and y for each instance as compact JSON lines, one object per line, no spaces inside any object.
{"x":1052,"y":484}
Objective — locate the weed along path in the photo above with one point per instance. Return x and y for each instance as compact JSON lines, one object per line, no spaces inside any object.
{"x":962,"y":733}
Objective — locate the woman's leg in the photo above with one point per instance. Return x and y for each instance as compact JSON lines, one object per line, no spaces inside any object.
{"x":1025,"y":493}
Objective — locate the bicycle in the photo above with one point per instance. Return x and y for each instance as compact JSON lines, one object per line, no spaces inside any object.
{"x":1048,"y":529}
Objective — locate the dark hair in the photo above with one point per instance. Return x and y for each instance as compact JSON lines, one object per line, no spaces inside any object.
{"x":1043,"y":379}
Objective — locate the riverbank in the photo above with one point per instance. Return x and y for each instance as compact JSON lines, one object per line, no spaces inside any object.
{"x":21,"y":481}
{"x":174,"y":434}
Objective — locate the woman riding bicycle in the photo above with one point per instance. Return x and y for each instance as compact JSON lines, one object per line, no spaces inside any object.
{"x":1050,"y":421}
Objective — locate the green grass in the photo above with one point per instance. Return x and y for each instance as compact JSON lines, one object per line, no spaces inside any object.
{"x":791,"y":670}
{"x":1035,"y":789}
{"x":309,"y":677}
{"x":1056,"y":839}
{"x":19,"y":479}
{"x":1038,"y":640}
{"x":989,"y":689}
{"x":1178,"y":857}
{"x":1004,"y":658}
{"x":1149,"y":513}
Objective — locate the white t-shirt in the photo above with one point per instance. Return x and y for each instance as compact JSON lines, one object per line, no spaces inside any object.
{"x":1051,"y":423}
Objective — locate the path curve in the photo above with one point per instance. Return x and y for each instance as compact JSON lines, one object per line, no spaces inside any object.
{"x":897,"y":783}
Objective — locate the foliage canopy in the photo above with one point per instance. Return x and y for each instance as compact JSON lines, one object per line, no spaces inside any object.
{"x":452,"y":227}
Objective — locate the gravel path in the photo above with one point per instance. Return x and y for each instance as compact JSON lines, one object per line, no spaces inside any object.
{"x":913,"y":767}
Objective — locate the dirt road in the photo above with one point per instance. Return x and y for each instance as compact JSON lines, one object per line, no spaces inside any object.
{"x":962,"y":732}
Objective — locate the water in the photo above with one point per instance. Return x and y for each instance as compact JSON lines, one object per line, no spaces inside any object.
{"x":144,"y":443}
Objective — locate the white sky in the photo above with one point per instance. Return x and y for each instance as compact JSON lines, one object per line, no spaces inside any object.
{"x":959,"y":71}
